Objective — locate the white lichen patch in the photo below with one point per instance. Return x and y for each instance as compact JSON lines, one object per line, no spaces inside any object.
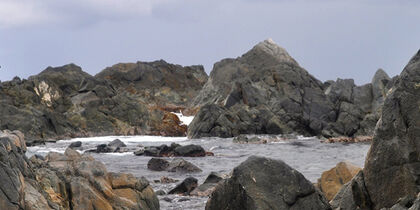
{"x":46,"y":93}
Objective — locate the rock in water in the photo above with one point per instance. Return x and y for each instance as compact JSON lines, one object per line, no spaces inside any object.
{"x":180,"y":165}
{"x":392,"y":165}
{"x":116,"y":143}
{"x":157,"y":164}
{"x":186,"y":186}
{"x":263,"y":183}
{"x":75,"y":144}
{"x":332,"y":180}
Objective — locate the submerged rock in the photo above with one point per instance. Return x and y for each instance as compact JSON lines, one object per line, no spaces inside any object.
{"x":263,"y":183}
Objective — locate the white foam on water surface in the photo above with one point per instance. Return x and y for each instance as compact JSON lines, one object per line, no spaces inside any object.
{"x":128,"y":139}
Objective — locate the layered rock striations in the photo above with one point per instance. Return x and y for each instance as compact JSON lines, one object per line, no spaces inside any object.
{"x":66,"y":102}
{"x":65,"y":181}
{"x":265,"y":91}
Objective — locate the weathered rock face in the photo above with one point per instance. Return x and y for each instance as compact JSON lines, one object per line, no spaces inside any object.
{"x":332,"y":180}
{"x":392,"y":166}
{"x":262,"y":183}
{"x":170,"y":87}
{"x":263,"y":91}
{"x":353,"y":195}
{"x":266,"y":91}
{"x":65,"y":181}
{"x":67,"y":102}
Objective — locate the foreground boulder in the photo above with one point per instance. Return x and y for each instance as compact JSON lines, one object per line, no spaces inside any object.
{"x":392,"y":166}
{"x":263,"y":183}
{"x":332,"y":180}
{"x":65,"y":181}
{"x":393,"y":162}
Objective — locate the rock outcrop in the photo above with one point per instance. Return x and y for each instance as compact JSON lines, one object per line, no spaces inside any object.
{"x":262,"y":183}
{"x":65,"y":102}
{"x":168,"y":86}
{"x":392,"y":166}
{"x":265,"y":91}
{"x":65,"y":181}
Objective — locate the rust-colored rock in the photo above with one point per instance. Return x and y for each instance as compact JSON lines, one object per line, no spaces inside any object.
{"x":332,"y":180}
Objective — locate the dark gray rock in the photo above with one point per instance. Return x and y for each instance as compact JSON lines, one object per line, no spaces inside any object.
{"x":265,"y":91}
{"x":117,"y":143}
{"x":157,"y":164}
{"x":185,"y":187}
{"x":180,"y":165}
{"x":262,"y":183}
{"x":76,"y":144}
{"x":353,"y":195}
{"x":190,"y":151}
{"x":393,"y":162}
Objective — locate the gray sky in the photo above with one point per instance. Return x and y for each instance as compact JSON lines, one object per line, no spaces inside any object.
{"x":329,"y":38}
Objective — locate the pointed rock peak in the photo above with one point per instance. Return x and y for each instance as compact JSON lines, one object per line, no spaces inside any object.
{"x":380,"y":75}
{"x":415,"y":58}
{"x":269,"y":47}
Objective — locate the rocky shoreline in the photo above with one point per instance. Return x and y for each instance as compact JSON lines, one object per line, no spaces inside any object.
{"x":265,"y":91}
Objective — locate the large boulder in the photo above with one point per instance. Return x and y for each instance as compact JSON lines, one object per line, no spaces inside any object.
{"x":263,"y":183}
{"x":392,"y":165}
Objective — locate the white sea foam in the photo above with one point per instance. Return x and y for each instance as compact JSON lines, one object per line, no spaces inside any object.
{"x":128,"y":139}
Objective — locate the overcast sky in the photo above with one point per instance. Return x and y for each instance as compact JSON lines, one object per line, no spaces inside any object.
{"x":329,"y":38}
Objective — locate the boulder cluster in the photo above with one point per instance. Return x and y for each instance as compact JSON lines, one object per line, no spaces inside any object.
{"x":65,"y":181}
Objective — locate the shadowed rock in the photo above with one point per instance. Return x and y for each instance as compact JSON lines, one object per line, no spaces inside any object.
{"x":263,"y":183}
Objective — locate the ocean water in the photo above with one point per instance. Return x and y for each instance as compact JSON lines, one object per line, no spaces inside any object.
{"x":307,"y":155}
